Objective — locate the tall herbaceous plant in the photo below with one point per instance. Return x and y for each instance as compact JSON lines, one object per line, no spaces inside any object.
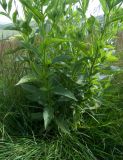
{"x":68,"y":57}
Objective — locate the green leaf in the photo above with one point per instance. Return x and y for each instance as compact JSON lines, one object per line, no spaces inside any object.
{"x":111,"y":58}
{"x":48,"y":115}
{"x":85,"y":4}
{"x":49,"y":41}
{"x":37,"y":97}
{"x":4,"y":14}
{"x":32,"y":9}
{"x":64,"y":92}
{"x":30,"y":88}
{"x":45,"y":2}
{"x":71,"y":1}
{"x":104,"y":6}
{"x":51,"y":6}
{"x":27,"y":79}
{"x":91,"y":23}
{"x":118,"y":16}
{"x":4,"y":4}
{"x":10,"y":6}
{"x":116,"y":2}
{"x":14,"y":16}
{"x":26,"y":28}
{"x":113,"y":3}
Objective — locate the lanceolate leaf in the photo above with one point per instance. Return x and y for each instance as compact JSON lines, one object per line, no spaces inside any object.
{"x":104,"y":6}
{"x":113,"y":3}
{"x":14,"y":16}
{"x":85,"y":5}
{"x":71,"y":1}
{"x":27,"y":79}
{"x":55,"y":40}
{"x":26,"y":28}
{"x":30,"y":88}
{"x":4,"y":14}
{"x":10,"y":6}
{"x":48,"y":116}
{"x":4,"y":4}
{"x":64,"y":92}
{"x":116,"y":2}
{"x":32,"y":9}
{"x":117,"y":17}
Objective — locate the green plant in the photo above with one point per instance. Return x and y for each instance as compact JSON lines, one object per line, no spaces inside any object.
{"x":66,"y":53}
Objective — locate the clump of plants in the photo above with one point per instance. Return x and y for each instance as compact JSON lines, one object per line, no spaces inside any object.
{"x":67,"y":61}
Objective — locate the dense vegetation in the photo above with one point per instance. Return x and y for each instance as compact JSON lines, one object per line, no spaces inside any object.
{"x":57,"y":85}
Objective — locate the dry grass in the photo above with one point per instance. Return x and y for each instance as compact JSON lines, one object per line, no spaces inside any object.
{"x":120,"y":48}
{"x":6,"y":45}
{"x":120,"y":41}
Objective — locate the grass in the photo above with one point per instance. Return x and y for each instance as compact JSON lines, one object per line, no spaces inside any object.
{"x":57,"y":149}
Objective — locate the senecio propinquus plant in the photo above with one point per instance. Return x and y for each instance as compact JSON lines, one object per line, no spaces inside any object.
{"x":67,"y":55}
